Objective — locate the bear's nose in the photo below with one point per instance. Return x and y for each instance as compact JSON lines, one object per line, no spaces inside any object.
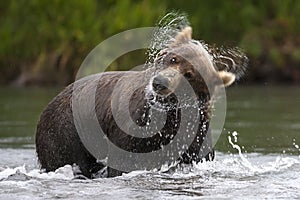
{"x":160,"y":83}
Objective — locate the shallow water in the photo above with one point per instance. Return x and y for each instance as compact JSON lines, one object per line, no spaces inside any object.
{"x":257,"y":154}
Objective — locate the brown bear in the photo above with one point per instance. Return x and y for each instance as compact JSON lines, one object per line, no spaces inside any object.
{"x":184,"y":59}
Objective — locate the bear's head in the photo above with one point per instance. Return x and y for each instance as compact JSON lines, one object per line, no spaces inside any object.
{"x":185,"y":58}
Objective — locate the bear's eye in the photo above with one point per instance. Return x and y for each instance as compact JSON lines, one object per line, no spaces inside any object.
{"x":188,"y":75}
{"x":173,"y":60}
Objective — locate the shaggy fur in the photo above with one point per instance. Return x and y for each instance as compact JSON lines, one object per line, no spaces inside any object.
{"x":57,"y":140}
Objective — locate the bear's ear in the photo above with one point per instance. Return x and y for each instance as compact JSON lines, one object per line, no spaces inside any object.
{"x":227,"y":77}
{"x":184,"y":36}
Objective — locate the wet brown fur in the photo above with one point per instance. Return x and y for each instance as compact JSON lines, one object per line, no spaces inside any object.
{"x":57,"y":140}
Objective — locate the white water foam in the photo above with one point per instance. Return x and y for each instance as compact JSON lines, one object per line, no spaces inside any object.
{"x":63,"y":173}
{"x":241,"y":175}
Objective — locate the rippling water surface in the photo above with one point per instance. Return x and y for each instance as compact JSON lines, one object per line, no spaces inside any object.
{"x":257,"y":154}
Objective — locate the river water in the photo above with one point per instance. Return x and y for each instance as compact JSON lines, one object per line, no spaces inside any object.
{"x":257,"y":154}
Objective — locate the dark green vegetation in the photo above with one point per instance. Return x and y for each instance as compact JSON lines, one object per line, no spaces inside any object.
{"x":44,"y":42}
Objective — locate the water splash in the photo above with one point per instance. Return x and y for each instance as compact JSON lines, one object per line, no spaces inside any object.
{"x":296,"y":146}
{"x":167,"y":29}
{"x":230,"y":59}
{"x":280,"y":162}
{"x":62,"y":173}
{"x":245,"y":161}
{"x":225,"y":177}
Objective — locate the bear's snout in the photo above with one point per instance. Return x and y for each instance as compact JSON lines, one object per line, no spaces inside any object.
{"x":160,"y":84}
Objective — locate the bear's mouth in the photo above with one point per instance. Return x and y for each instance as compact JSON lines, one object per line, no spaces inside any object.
{"x":170,"y":101}
{"x":159,"y":101}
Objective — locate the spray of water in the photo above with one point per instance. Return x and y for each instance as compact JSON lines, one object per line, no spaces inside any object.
{"x":245,"y":161}
{"x":165,"y":32}
{"x":280,"y":162}
{"x":296,"y":146}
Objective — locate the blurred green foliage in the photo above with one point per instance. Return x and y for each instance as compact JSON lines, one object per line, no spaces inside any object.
{"x":44,"y":42}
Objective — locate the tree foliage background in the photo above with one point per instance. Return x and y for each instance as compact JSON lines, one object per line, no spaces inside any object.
{"x":44,"y":42}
